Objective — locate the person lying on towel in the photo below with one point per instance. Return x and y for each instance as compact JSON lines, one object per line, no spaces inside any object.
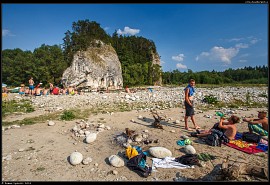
{"x":227,"y":127}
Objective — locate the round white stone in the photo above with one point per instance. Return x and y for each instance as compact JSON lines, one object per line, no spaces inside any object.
{"x":51,"y":123}
{"x":87,"y":160}
{"x":190,"y":149}
{"x":116,"y":161}
{"x":76,"y":158}
{"x":91,"y":137}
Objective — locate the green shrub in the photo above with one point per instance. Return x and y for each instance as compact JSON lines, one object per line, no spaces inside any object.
{"x":210,"y":99}
{"x":67,"y":115}
{"x":264,"y":95}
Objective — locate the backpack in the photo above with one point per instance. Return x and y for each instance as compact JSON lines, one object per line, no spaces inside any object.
{"x":213,"y":140}
{"x":251,"y":137}
{"x":135,"y":164}
{"x":216,"y":138}
{"x":188,"y":159}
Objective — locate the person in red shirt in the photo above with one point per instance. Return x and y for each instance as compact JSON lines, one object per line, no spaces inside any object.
{"x":55,"y":91}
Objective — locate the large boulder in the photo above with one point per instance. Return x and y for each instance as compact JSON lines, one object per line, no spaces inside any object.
{"x":160,"y":152}
{"x":97,"y":67}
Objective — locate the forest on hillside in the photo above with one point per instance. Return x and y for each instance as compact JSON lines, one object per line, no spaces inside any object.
{"x":47,"y":63}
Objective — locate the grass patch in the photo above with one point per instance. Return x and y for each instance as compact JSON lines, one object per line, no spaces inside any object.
{"x":33,"y":120}
{"x":67,"y":115}
{"x":9,"y":107}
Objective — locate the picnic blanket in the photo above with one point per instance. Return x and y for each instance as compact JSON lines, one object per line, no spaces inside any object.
{"x":246,"y":147}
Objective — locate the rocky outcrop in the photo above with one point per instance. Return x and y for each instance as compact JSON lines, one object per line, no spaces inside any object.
{"x":156,"y":60}
{"x":97,"y":67}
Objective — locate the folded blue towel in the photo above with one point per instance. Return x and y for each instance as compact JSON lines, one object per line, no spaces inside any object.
{"x":262,"y":146}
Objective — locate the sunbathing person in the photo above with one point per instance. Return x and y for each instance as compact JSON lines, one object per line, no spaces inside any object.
{"x":22,"y":89}
{"x":38,"y":91}
{"x":228,"y":128}
{"x":258,"y":125}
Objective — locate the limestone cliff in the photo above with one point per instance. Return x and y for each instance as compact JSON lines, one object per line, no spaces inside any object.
{"x":97,"y":67}
{"x":156,"y":60}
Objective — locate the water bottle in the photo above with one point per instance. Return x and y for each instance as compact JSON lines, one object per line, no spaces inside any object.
{"x":220,"y":114}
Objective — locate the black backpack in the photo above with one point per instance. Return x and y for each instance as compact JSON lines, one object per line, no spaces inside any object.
{"x":133,"y":164}
{"x":188,"y":159}
{"x":213,"y":140}
{"x":216,"y":138}
{"x":251,"y":137}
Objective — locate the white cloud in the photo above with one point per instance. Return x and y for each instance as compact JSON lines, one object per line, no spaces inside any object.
{"x":7,"y":33}
{"x":241,"y":45}
{"x":106,"y":28}
{"x":162,"y":62}
{"x":205,"y":54}
{"x":235,"y":39}
{"x":128,"y":30}
{"x":181,"y":66}
{"x":178,"y":58}
{"x":225,"y":55}
{"x":254,"y":41}
{"x":250,"y":40}
{"x":244,"y":55}
{"x":219,"y":53}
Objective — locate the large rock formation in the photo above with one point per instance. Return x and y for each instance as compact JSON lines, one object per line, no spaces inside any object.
{"x":156,"y":60}
{"x":98,"y":67}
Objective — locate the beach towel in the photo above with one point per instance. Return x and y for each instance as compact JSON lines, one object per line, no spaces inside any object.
{"x":252,"y":149}
{"x":244,"y":146}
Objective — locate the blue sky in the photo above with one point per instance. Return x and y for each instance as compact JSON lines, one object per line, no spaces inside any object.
{"x":187,"y":36}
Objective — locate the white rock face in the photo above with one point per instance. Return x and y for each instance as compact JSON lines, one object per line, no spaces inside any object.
{"x":96,"y":67}
{"x":76,"y":158}
{"x":91,"y":137}
{"x":160,"y":152}
{"x":116,"y":161}
{"x":190,"y":149}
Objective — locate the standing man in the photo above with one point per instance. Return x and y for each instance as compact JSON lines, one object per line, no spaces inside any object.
{"x":31,"y":85}
{"x":189,"y":93}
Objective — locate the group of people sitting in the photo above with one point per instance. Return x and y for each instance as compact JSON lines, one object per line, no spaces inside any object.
{"x":255,"y":125}
{"x":52,"y":90}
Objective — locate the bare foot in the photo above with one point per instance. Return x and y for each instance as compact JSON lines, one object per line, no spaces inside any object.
{"x":197,"y":127}
{"x":188,"y":128}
